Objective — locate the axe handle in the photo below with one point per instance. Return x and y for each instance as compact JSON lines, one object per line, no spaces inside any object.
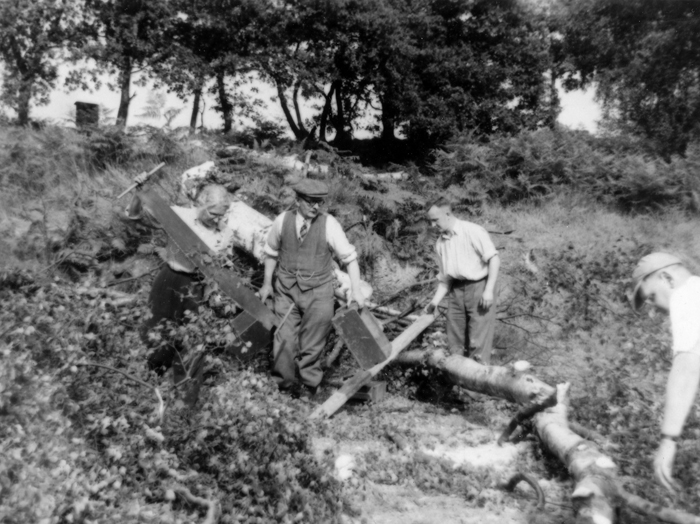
{"x":284,"y":319}
{"x":134,"y":186}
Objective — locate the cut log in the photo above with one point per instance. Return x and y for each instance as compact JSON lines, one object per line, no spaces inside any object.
{"x":496,"y":381}
{"x":353,"y":385}
{"x":597,"y":490}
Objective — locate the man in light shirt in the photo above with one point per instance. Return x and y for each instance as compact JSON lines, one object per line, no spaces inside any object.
{"x":177,"y":287}
{"x":468,"y":266}
{"x":299,"y":246}
{"x":662,"y":281}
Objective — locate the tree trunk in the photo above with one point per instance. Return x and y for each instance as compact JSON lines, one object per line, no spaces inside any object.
{"x":342,"y":136}
{"x":125,"y":87}
{"x":496,"y":381}
{"x":297,"y":110}
{"x":23,"y":98}
{"x":388,"y":120}
{"x":224,"y":102}
{"x":298,"y":134}
{"x":195,"y":110}
{"x":327,"y":110}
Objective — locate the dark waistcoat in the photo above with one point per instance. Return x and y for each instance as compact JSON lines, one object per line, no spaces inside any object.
{"x":306,"y":263}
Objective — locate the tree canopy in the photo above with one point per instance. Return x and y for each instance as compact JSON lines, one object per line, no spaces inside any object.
{"x":644,"y":58}
{"x":423,"y":70}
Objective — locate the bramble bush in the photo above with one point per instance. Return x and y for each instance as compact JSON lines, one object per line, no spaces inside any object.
{"x":87,"y":444}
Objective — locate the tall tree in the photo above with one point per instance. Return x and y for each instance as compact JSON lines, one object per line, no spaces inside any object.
{"x":213,"y":40}
{"x":33,"y":35}
{"x":128,"y":39}
{"x":644,"y":58}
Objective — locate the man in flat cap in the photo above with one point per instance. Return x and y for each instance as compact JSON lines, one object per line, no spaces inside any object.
{"x":299,"y":246}
{"x":661,"y":280}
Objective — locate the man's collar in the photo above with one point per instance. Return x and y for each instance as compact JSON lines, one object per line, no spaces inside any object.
{"x":446,"y":235}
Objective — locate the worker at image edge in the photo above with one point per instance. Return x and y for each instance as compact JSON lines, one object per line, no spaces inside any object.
{"x":662,"y":281}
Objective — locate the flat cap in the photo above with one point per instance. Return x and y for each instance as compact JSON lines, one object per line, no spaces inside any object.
{"x":311,"y":188}
{"x":646,"y":266}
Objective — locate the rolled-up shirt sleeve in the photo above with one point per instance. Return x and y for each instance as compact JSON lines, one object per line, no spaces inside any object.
{"x":343,"y":250}
{"x":272,"y":246}
{"x":442,"y":277}
{"x":483,"y":244}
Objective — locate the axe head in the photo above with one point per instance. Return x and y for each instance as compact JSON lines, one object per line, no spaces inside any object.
{"x":363,"y":335}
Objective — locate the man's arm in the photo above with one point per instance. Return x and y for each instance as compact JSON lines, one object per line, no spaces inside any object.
{"x":265,"y":290}
{"x":346,"y":254}
{"x":488,"y":297}
{"x":442,"y":289}
{"x":354,"y":273}
{"x":271,"y":251}
{"x":680,"y":395}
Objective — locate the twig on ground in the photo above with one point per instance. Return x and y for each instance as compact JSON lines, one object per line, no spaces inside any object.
{"x":525,"y":413}
{"x":130,"y":279}
{"x":211,"y":505}
{"x":335,"y":353}
{"x":405,"y":288}
{"x":161,"y":404}
{"x":524,"y":477}
{"x":640,"y":505}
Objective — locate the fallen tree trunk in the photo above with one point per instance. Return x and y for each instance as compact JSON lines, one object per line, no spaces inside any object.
{"x":597,"y":492}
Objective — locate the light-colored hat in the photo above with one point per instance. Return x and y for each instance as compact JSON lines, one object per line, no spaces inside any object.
{"x":646,"y":266}
{"x":311,"y":188}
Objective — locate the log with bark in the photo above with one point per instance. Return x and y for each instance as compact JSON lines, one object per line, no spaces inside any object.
{"x":598,"y":492}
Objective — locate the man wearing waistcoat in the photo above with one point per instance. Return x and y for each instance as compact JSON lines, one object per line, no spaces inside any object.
{"x":468,"y":268}
{"x":300,"y":247}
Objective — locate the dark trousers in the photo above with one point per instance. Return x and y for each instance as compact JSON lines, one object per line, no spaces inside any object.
{"x":470,"y":328}
{"x":300,"y":340}
{"x":172,"y":293}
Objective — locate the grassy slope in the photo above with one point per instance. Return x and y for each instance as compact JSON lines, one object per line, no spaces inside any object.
{"x":584,"y":252}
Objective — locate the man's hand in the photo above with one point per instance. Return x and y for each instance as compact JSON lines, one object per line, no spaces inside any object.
{"x":663,"y":465}
{"x":431,"y":308}
{"x":265,"y":292}
{"x":486,"y":300}
{"x":358,"y":297}
{"x":140,"y":179}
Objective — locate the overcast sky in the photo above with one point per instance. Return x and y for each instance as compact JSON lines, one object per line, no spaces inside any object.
{"x":579,"y":110}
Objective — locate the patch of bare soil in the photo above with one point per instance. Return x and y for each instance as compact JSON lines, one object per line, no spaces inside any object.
{"x":409,"y":462}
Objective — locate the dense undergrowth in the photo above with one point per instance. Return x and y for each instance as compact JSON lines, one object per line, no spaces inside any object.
{"x":613,"y":170}
{"x":87,"y":444}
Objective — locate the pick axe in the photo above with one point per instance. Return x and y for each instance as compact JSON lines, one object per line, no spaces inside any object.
{"x":144,"y":176}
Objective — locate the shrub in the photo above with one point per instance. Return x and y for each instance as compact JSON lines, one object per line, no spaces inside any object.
{"x":534,"y":164}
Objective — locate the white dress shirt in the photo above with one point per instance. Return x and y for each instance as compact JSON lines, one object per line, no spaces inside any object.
{"x":343,"y":250}
{"x":684,"y":310}
{"x":464,"y":252}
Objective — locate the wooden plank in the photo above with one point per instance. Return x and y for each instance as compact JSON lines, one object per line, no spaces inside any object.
{"x":375,"y":391}
{"x":353,"y":384}
{"x":365,"y":341}
{"x":194,"y":248}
